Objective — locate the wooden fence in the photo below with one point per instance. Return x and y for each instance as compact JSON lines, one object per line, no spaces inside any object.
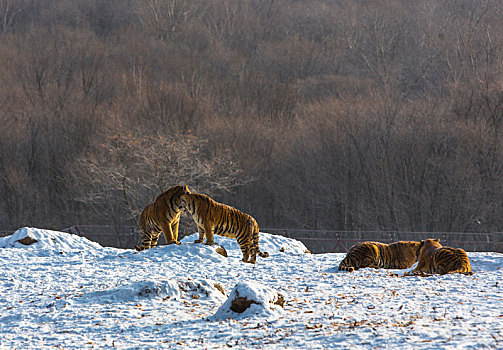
{"x":317,"y":241}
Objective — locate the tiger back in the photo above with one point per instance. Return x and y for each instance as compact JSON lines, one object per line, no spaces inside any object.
{"x":216,"y":218}
{"x":162,"y":216}
{"x":396,"y":255}
{"x":434,"y":258}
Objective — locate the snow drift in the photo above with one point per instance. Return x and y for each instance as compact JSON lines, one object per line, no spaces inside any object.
{"x":273,"y":244}
{"x":48,"y":240}
{"x":66,"y":291}
{"x":169,"y":288}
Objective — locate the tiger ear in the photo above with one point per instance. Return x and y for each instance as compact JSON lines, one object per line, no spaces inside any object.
{"x":186,"y":189}
{"x":437,"y":240}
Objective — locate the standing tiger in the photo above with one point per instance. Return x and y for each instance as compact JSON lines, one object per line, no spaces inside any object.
{"x":433,"y":258}
{"x":397,"y":255}
{"x":216,"y":218}
{"x":162,"y":216}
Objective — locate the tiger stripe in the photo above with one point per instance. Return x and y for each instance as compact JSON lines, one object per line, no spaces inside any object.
{"x":396,"y":255}
{"x":162,"y":216}
{"x":216,"y":218}
{"x":434,"y":258}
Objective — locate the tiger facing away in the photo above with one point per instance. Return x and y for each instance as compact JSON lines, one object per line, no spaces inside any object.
{"x":397,"y":255}
{"x":162,"y":216}
{"x":216,"y":218}
{"x":433,"y":258}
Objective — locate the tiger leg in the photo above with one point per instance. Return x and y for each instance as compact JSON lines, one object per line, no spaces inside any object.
{"x":200,"y":230}
{"x":253,"y":256}
{"x":246,"y":256}
{"x":209,"y":234}
{"x":168,"y":234}
{"x":347,"y":264}
{"x":254,"y":245}
{"x":252,"y":251}
{"x":155,"y":238}
{"x":420,"y":269}
{"x":244,"y":245}
{"x":367,"y":261}
{"x":146,"y":239}
{"x":174,"y":229}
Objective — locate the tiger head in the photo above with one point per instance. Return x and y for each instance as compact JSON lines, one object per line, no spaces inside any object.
{"x":413,"y":247}
{"x":428,"y":244}
{"x":183,"y":205}
{"x":180,"y":192}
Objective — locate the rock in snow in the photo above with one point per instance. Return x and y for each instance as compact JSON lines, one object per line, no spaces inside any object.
{"x":249,"y":299}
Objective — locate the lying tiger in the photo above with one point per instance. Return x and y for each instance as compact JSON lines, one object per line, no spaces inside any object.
{"x":397,"y":255}
{"x":162,"y":216}
{"x":216,"y":218}
{"x":433,"y":258}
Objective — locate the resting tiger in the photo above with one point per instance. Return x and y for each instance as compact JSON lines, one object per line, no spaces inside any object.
{"x":433,"y":258}
{"x":162,"y":216}
{"x":397,"y":255}
{"x":213,"y":217}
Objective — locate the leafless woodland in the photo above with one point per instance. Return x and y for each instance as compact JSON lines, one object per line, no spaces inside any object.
{"x":319,"y":114}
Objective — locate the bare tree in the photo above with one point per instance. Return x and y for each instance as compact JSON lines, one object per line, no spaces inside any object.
{"x":9,"y":10}
{"x":127,"y":172}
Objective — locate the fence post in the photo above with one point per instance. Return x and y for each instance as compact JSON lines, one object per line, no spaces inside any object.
{"x":496,"y":242}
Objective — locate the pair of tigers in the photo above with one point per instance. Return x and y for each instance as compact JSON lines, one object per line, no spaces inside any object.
{"x":430,"y":255}
{"x":210,"y":217}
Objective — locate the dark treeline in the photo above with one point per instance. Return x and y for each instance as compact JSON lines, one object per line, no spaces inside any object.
{"x":320,"y":114}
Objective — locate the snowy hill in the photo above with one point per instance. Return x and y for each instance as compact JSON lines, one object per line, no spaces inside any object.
{"x":62,"y":290}
{"x":47,"y":240}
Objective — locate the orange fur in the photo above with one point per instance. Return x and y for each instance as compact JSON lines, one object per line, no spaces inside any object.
{"x":433,"y":258}
{"x":216,"y":218}
{"x":162,"y":216}
{"x":397,"y":255}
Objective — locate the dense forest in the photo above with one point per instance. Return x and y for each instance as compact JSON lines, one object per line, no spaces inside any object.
{"x":319,"y":114}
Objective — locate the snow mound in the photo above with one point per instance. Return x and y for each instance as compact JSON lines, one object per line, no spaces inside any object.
{"x":202,"y":289}
{"x":250,"y":299}
{"x":155,"y":289}
{"x":273,"y":244}
{"x":47,"y":240}
{"x":182,"y":252}
{"x":134,"y":291}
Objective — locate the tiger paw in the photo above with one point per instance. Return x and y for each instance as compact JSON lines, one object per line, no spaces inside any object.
{"x":138,"y":249}
{"x":198,"y":241}
{"x":209,"y":243}
{"x":174,"y":242}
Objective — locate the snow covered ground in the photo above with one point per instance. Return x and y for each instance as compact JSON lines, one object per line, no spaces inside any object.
{"x":65,"y":291}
